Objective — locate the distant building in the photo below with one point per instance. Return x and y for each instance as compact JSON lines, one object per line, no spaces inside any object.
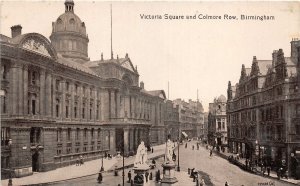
{"x":205,"y":126}
{"x":191,"y":117}
{"x":172,"y":120}
{"x":217,"y":122}
{"x":263,"y":110}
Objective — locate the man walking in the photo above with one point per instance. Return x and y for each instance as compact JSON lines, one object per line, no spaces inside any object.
{"x":146,"y":175}
{"x":129,"y":177}
{"x":100,"y":177}
{"x":210,"y":154}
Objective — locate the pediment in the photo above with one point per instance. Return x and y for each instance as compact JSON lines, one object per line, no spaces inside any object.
{"x":128,"y":65}
{"x":38,"y":44}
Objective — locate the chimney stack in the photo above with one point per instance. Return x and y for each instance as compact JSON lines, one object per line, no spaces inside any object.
{"x":142,"y":85}
{"x":16,"y":30}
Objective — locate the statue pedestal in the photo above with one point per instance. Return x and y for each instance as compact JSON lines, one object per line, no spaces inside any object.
{"x":169,"y":175}
{"x":140,"y":179}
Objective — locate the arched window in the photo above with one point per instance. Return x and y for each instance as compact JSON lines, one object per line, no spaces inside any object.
{"x":59,"y":21}
{"x":72,"y":21}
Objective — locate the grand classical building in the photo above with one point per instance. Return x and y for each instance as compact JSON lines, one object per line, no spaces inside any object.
{"x":191,"y":117}
{"x":57,"y":105}
{"x":263,"y":109}
{"x":217,"y":124}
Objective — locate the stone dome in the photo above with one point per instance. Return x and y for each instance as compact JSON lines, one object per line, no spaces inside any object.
{"x":69,"y":21}
{"x":222,"y":99}
{"x":69,"y":36}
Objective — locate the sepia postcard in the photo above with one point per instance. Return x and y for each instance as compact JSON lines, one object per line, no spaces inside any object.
{"x":154,"y":93}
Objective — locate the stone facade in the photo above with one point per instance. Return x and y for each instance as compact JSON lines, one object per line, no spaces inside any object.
{"x":172,"y":120}
{"x":57,"y":105}
{"x":263,"y":109}
{"x":191,"y":117}
{"x":217,"y":124}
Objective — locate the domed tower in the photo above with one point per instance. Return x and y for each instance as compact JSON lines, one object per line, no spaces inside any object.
{"x":69,"y":36}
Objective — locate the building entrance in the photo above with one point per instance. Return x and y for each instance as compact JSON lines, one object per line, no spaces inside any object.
{"x":35,"y":162}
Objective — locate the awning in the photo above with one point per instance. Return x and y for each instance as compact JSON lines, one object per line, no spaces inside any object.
{"x":185,"y":135}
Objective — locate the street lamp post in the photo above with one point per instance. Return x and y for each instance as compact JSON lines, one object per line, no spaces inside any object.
{"x":102,"y":168}
{"x":178,"y":167}
{"x":10,"y":168}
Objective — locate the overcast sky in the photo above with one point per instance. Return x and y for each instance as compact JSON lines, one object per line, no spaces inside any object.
{"x":190,"y":54}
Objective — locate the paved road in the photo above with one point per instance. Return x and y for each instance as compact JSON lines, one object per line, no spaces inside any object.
{"x":217,"y":171}
{"x":108,"y":179}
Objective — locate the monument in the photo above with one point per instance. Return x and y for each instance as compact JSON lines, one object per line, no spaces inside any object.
{"x":169,"y":167}
{"x":140,"y":166}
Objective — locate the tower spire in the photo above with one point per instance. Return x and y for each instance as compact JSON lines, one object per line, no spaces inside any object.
{"x":69,"y":5}
{"x":111,"y":47}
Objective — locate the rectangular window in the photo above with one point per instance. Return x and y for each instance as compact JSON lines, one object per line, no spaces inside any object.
{"x":5,"y":135}
{"x":77,"y":133}
{"x":57,"y":85}
{"x":69,"y":134}
{"x":67,"y":111}
{"x":67,"y":86}
{"x":33,"y":106}
{"x":298,"y":110}
{"x":59,"y":135}
{"x":297,"y":129}
{"x":85,"y":133}
{"x":75,"y":112}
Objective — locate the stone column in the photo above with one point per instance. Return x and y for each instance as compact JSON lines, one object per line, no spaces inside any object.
{"x":117,"y":104}
{"x":54,"y":97}
{"x":79,"y":109}
{"x":126,"y":140}
{"x":112,"y":104}
{"x":131,"y":140}
{"x":63,"y":101}
{"x":13,"y":91}
{"x":25,"y":89}
{"x":104,"y":105}
{"x":95,"y":104}
{"x":126,"y":99}
{"x":72,"y":100}
{"x":42,"y":92}
{"x":112,"y":141}
{"x":122,"y":107}
{"x":88,"y":103}
{"x":48,"y":105}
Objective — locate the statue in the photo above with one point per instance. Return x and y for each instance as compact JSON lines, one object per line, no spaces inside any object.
{"x":169,"y":152}
{"x":141,"y":155}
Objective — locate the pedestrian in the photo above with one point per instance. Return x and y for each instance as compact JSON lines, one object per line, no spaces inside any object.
{"x":150,"y":176}
{"x":152,"y":149}
{"x":210,"y":154}
{"x":226,"y":184}
{"x":158,"y":175}
{"x":146,"y":175}
{"x":185,"y":145}
{"x":77,"y":162}
{"x":193,"y":147}
{"x":100,"y":177}
{"x":129,"y":176}
{"x":81,"y":160}
{"x":268,"y":170}
{"x":116,"y":171}
{"x":202,"y":183}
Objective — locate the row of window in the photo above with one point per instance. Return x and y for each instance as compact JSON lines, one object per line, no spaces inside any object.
{"x":93,"y":133}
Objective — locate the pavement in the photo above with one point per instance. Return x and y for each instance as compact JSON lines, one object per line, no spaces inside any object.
{"x":242,"y":162}
{"x":73,"y":171}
